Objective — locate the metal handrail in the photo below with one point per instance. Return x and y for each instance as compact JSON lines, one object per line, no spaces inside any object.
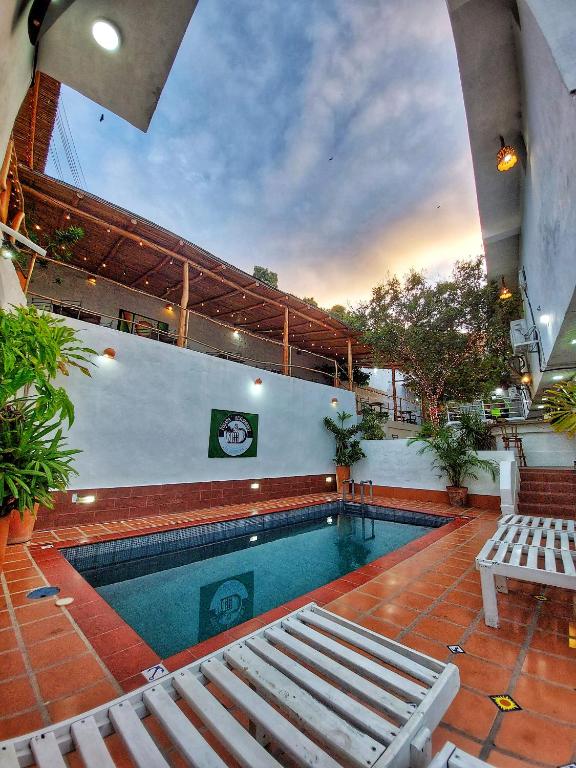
{"x":156,"y":333}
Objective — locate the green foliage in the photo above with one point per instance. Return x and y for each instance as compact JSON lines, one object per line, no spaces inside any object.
{"x":453,"y":456}
{"x":348,"y":450}
{"x":478,"y":432}
{"x":34,"y":348}
{"x":266,"y":276}
{"x":449,"y":338}
{"x":359,"y":377}
{"x":60,"y":243}
{"x":372,"y":424}
{"x":310,"y":300}
{"x":560,"y":409}
{"x":33,"y":461}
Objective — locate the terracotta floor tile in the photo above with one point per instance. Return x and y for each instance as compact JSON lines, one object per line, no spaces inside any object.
{"x":27,"y":572}
{"x":380,"y":589}
{"x":459,"y":715}
{"x":11,"y":664}
{"x":16,"y":725}
{"x":45,"y":629}
{"x":458,"y":614}
{"x":492,"y":649}
{"x":346,"y":611}
{"x":357,"y":601}
{"x":550,"y":668}
{"x":545,"y":698}
{"x":536,"y":738}
{"x":424,"y":587}
{"x":426,"y":645}
{"x":444,"y":579}
{"x":508,"y":631}
{"x":108,"y":643}
{"x":38,"y":609}
{"x":550,"y":642}
{"x":483,"y":675}
{"x":56,"y":650}
{"x":67,"y":678}
{"x":395,"y":613}
{"x":466,"y":599}
{"x":103,"y":622}
{"x":379,"y":625}
{"x":413,"y":600}
{"x":8,"y":640}
{"x":444,"y":632}
{"x":442,"y":734}
{"x":15,"y":696}
{"x":500,"y":760}
{"x":26,"y":585}
{"x":130,"y":662}
{"x":82,"y":701}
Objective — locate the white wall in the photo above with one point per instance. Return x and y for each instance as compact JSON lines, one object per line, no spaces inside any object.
{"x":10,"y":290}
{"x":397,"y":464}
{"x":144,"y":417}
{"x":16,"y":56}
{"x":549,"y":216}
{"x":545,"y":448}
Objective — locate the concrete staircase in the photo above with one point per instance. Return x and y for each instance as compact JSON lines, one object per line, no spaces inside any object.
{"x":547,"y":492}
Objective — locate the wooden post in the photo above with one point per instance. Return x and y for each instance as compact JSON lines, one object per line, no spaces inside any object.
{"x":394,"y":393}
{"x":30,"y":271}
{"x":33,"y":113}
{"x":181,"y":342}
{"x":286,"y":348}
{"x":6,"y":165}
{"x":350,"y":367}
{"x":336,"y":377}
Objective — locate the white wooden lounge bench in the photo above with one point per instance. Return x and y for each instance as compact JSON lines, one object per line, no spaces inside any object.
{"x":530,"y":521}
{"x":499,"y":560}
{"x":317,"y":689}
{"x":536,"y":537}
{"x":450,"y":756}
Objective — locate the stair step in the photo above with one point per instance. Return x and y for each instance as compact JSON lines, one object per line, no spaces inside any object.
{"x":547,"y":510}
{"x":547,"y":498}
{"x":547,"y":486}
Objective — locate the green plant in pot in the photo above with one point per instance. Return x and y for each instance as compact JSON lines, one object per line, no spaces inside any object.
{"x":348,"y":449}
{"x":34,"y":348}
{"x":454,"y":457}
{"x":560,"y":411}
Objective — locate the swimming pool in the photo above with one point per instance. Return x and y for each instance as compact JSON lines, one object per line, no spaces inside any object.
{"x":179,"y":587}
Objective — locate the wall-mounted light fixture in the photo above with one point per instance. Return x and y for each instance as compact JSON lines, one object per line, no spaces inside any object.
{"x":334,"y":402}
{"x":253,"y":538}
{"x":329,"y":520}
{"x":109,"y":353}
{"x":89,"y":499}
{"x":504,"y":293}
{"x":507,"y":156}
{"x":91,"y":281}
{"x":236,"y":334}
{"x":329,"y":478}
{"x":106,"y":34}
{"x":526,"y":379}
{"x":168,"y":307}
{"x":255,"y":486}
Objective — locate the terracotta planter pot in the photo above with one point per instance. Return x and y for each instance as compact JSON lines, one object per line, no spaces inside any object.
{"x":20,"y":530}
{"x":4,"y":525}
{"x":457,"y":496}
{"x":342,"y":473}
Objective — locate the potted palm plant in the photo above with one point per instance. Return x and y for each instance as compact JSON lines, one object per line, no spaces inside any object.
{"x":455,"y":458}
{"x":34,"y":348}
{"x":348,"y":450}
{"x":560,"y":410}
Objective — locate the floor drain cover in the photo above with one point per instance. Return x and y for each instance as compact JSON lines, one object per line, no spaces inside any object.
{"x":36,"y":594}
{"x":64,"y":601}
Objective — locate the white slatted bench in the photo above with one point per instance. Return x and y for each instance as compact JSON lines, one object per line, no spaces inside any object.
{"x":499,"y":560}
{"x":530,"y":521}
{"x":319,"y":689}
{"x":451,"y":756}
{"x":536,"y":537}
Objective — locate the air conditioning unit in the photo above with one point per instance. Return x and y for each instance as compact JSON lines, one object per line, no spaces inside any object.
{"x":523,"y":337}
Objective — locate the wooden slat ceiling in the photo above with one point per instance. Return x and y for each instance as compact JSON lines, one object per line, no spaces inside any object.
{"x":32,"y":136}
{"x":137,"y":253}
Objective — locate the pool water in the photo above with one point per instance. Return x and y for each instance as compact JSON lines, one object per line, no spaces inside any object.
{"x":176,"y":599}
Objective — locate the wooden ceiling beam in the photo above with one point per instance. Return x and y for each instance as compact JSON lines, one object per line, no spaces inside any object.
{"x":170,"y":252}
{"x":152,"y":270}
{"x":111,"y":253}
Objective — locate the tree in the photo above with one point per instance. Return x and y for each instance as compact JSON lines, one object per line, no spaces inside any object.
{"x":310,"y":300}
{"x":266,"y":276}
{"x":450,"y":338}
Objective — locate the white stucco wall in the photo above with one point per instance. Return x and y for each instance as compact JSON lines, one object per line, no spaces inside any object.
{"x":549,"y":217}
{"x":397,"y":464}
{"x":10,"y":290}
{"x":143,"y":418}
{"x":16,"y":56}
{"x":545,"y":448}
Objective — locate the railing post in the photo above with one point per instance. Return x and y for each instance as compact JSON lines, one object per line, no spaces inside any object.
{"x":285,"y":349}
{"x":181,"y":342}
{"x":350,"y":367}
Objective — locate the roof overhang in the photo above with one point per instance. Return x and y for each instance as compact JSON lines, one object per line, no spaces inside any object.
{"x":128,"y":81}
{"x":485,"y":36}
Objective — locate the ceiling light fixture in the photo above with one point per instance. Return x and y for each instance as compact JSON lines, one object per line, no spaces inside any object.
{"x":106,"y":34}
{"x":507,"y":156}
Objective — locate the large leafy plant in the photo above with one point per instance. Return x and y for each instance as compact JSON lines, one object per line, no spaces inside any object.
{"x":34,"y":348}
{"x":560,"y":409}
{"x":348,"y":450}
{"x":453,"y":455}
{"x":477,"y":431}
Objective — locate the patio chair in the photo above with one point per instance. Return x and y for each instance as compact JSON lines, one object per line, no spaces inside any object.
{"x":512,"y":441}
{"x":313,"y":686}
{"x":530,"y":521}
{"x":500,"y":560}
{"x":451,"y":756}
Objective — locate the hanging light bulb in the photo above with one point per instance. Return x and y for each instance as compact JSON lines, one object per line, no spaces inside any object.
{"x":504,"y":293}
{"x":507,"y":156}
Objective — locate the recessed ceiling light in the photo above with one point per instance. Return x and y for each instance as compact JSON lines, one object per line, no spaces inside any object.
{"x":106,"y":34}
{"x":557,"y":378}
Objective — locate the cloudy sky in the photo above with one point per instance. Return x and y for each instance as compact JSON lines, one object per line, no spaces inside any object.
{"x":262,"y":95}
